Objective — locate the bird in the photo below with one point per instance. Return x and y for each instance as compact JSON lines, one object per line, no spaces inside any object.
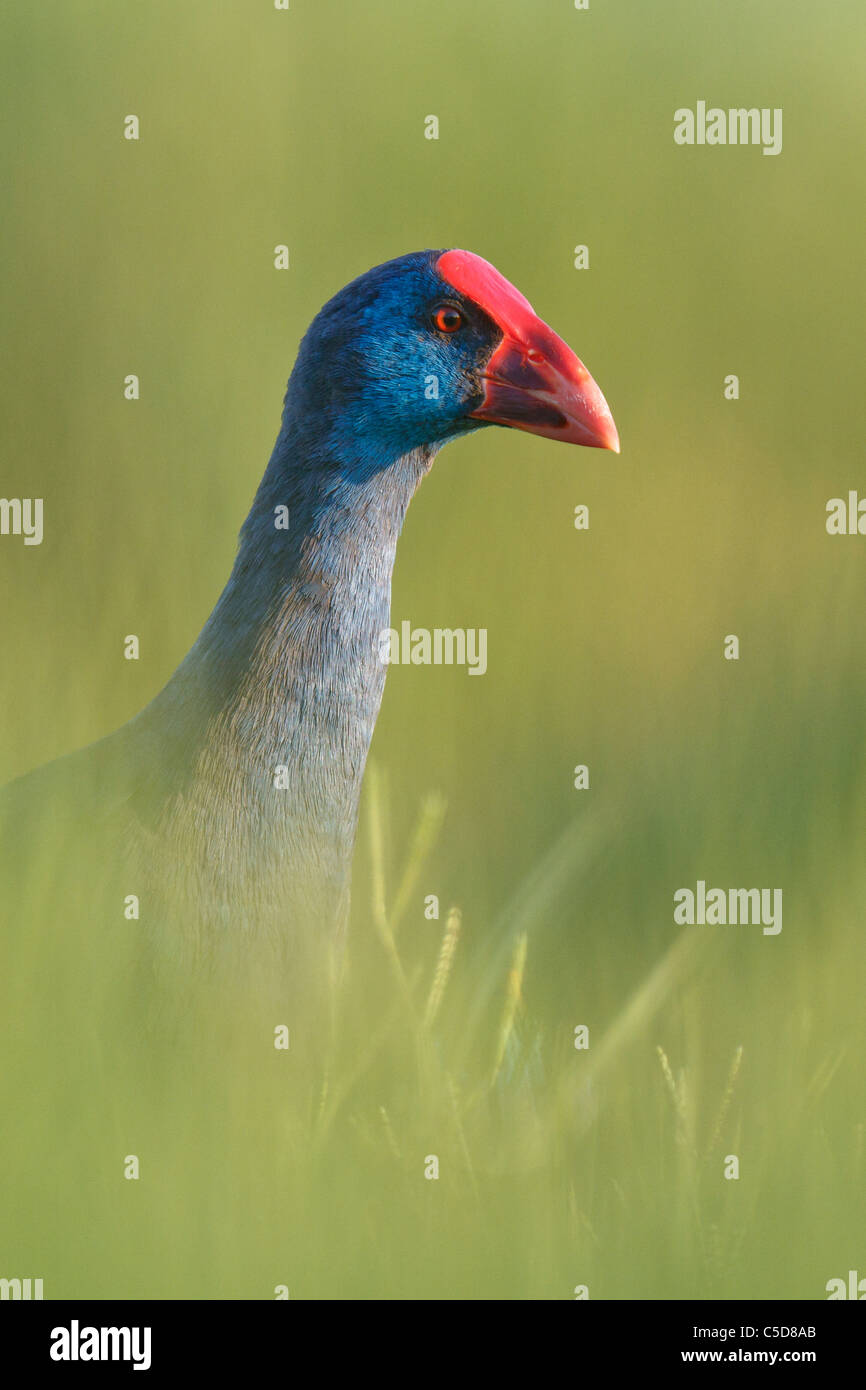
{"x":234,"y":794}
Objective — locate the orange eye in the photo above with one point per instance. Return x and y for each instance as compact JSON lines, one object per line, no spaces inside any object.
{"x":448,"y":319}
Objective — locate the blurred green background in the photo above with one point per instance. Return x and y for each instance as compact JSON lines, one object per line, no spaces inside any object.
{"x":306,"y":127}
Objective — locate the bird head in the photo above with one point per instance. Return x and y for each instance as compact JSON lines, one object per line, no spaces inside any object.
{"x":435,"y":344}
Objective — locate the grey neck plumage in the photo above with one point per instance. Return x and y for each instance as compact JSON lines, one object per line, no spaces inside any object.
{"x":258,"y":743}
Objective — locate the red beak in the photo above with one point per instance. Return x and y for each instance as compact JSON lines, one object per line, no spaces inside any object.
{"x":533,"y":380}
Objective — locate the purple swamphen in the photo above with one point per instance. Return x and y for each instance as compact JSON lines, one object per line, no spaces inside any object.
{"x":237,"y":787}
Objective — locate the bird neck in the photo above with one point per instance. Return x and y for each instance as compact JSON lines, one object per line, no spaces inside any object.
{"x":272,"y":713}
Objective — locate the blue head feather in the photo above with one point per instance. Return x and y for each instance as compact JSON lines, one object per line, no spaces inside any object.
{"x":374,"y":380}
